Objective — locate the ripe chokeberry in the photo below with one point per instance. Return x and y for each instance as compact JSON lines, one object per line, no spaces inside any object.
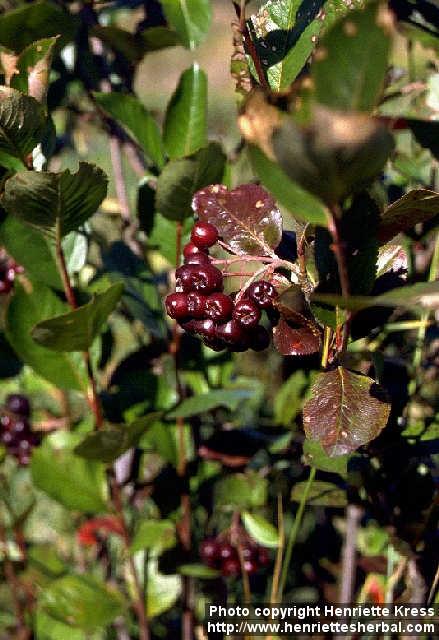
{"x":263,"y":293}
{"x":231,"y":332}
{"x":177,"y":306}
{"x":215,"y":344}
{"x":19,"y":404}
{"x":204,"y":235}
{"x":191,"y":249}
{"x":209,"y":551}
{"x":197,"y":258}
{"x":259,"y":338}
{"x":196,"y":304}
{"x":246,"y":313}
{"x":202,"y":278}
{"x":231,"y":567}
{"x":219,"y":307}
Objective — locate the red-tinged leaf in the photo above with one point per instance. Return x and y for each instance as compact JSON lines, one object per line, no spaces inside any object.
{"x":346,"y":411}
{"x":247,"y":218}
{"x":295,"y":335}
{"x":414,"y":207}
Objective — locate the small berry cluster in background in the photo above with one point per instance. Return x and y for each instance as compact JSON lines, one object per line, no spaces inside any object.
{"x":219,"y":553}
{"x":16,"y":433}
{"x":199,"y":305}
{"x":8,"y":270}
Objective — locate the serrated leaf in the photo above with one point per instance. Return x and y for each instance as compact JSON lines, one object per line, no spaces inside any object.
{"x":351,"y":62}
{"x":241,"y":490}
{"x":76,"y":483}
{"x":181,"y":178}
{"x":346,"y":411}
{"x":154,"y":535}
{"x":22,"y":125}
{"x":132,"y":114}
{"x":315,"y":456}
{"x":28,"y":307}
{"x":260,"y":529}
{"x":321,"y":494}
{"x":247,"y":218}
{"x":416,"y":297}
{"x":294,"y":334}
{"x":33,"y":68}
{"x":185,"y":127}
{"x":77,"y":329}
{"x":56,"y":202}
{"x":419,"y":205}
{"x":82,"y":602}
{"x":190,"y":18}
{"x":300,"y":203}
{"x":229,"y":398}
{"x":108,"y":444}
{"x":32,"y":250}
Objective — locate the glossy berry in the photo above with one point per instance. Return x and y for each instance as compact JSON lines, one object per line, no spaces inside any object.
{"x":250,"y":566}
{"x":219,"y":307}
{"x":196,"y":304}
{"x":263,"y":293}
{"x":247,"y":313}
{"x":259,"y":338}
{"x":19,"y":404}
{"x":209,"y":551}
{"x":231,"y":332}
{"x":191,"y":249}
{"x":215,"y":344}
{"x":201,"y":278}
{"x":226,"y":551}
{"x":177,"y":305}
{"x":231,"y":567}
{"x":204,"y":235}
{"x":250,"y":553}
{"x":197,"y":258}
{"x":205,"y":328}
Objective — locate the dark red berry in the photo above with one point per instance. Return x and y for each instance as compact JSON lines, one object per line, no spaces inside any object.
{"x":226,"y":551}
{"x":19,"y":404}
{"x":246,"y":313}
{"x":215,"y":344}
{"x":20,"y":427}
{"x":177,"y":306}
{"x":263,"y":293}
{"x":191,"y":249}
{"x":204,"y":235}
{"x":250,"y":566}
{"x":219,"y":307}
{"x":196,"y":305}
{"x":5,"y":286}
{"x":259,"y":338}
{"x":6,"y":422}
{"x":209,"y":551}
{"x":201,"y":278}
{"x":263,"y":557}
{"x":197,"y":258}
{"x":231,"y":332}
{"x":231,"y":567}
{"x":249,"y":553}
{"x":205,"y":328}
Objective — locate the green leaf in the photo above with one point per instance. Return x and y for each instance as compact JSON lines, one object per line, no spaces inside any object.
{"x":132,"y":114}
{"x":30,"y":22}
{"x":163,"y":237}
{"x":260,"y":529}
{"x":77,"y":329}
{"x":185,"y":128}
{"x":130,"y":45}
{"x":28,"y":307}
{"x":419,"y":205}
{"x":33,"y":67}
{"x":288,"y":400}
{"x":22,"y":125}
{"x":190,"y":18}
{"x":154,"y":535}
{"x":32,"y":250}
{"x":156,"y":38}
{"x":300,"y":203}
{"x":82,"y":602}
{"x":416,"y":297}
{"x":108,"y":444}
{"x":229,"y":398}
{"x":162,"y":591}
{"x":180,"y":179}
{"x":200,"y":571}
{"x":322,"y":494}
{"x":241,"y":490}
{"x":346,"y":411}
{"x":56,"y":201}
{"x":76,"y":483}
{"x":315,"y":456}
{"x":47,"y":628}
{"x":352,"y":60}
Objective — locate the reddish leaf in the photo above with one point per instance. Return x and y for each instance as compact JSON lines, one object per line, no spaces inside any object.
{"x":295,"y":335}
{"x":247,"y":218}
{"x":346,"y":411}
{"x":87,"y":532}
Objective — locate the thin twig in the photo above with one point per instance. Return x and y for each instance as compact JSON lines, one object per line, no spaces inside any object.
{"x":338,"y":247}
{"x":279,"y":554}
{"x":349,"y":554}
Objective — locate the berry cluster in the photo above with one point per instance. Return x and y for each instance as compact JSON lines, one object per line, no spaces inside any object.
{"x":8,"y":270}
{"x":219,"y":553}
{"x":16,"y":434}
{"x":199,"y":305}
